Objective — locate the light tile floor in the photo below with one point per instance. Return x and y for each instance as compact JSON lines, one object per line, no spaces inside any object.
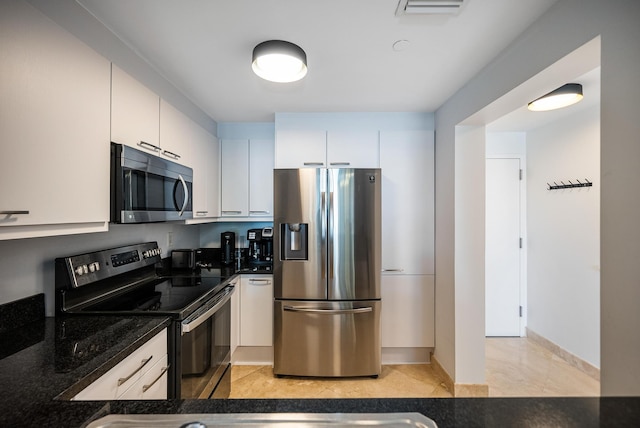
{"x":515,"y":367}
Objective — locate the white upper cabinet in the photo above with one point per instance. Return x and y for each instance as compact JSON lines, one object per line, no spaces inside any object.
{"x":320,"y":148}
{"x":234,"y":175}
{"x":177,"y":133}
{"x":135,"y":113}
{"x":407,"y":162}
{"x":261,"y":160}
{"x":54,"y":128}
{"x":353,"y":149}
{"x":301,"y":148}
{"x":246,"y":178}
{"x":205,"y":163}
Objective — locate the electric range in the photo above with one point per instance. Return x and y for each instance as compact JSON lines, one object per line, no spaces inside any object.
{"x":124,"y":281}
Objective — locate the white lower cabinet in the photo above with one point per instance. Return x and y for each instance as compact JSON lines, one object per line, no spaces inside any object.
{"x":141,"y":375}
{"x":256,"y":310}
{"x":152,"y":385}
{"x":408,"y":311}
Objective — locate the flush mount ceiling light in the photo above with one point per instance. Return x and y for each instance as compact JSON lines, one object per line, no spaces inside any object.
{"x":279,"y":61}
{"x":564,"y":96}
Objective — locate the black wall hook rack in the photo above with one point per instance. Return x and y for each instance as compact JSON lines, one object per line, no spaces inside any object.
{"x":563,"y":185}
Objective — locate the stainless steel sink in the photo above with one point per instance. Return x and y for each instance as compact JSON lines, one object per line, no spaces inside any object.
{"x":252,"y":420}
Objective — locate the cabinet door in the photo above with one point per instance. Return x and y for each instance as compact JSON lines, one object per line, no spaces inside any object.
{"x":353,"y":149}
{"x":176,"y":134}
{"x":301,"y":148}
{"x":408,"y":311}
{"x":235,"y":321}
{"x":135,"y":113}
{"x":235,"y":178}
{"x":256,"y":310}
{"x":407,"y":162}
{"x":126,"y":373}
{"x":261,"y":161}
{"x":54,"y":128}
{"x":152,"y":385}
{"x":205,"y":163}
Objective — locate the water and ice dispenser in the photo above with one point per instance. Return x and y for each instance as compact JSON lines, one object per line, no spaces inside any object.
{"x":293,"y":241}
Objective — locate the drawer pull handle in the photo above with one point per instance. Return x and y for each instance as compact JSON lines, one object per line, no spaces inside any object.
{"x":144,"y":363}
{"x":260,"y":281}
{"x":393,"y":270}
{"x":314,"y":163}
{"x":231,"y":212}
{"x":145,"y":388}
{"x":171,"y":154}
{"x":340,"y":163}
{"x":14,"y":212}
{"x":202,"y":213}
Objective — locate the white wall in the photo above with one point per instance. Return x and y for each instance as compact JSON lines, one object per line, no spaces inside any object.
{"x":567,"y":25}
{"x":27,"y":265}
{"x":469,"y":254}
{"x":564,"y":234}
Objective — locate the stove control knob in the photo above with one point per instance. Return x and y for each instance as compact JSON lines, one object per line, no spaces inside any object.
{"x":85,"y":269}
{"x":95,"y":266}
{"x":78,"y":270}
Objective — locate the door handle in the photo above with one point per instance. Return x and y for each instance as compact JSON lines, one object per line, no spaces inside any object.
{"x":186,"y":195}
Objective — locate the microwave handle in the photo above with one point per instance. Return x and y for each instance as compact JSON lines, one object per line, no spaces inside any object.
{"x":186,"y":195}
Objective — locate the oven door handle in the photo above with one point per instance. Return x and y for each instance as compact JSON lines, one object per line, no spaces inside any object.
{"x":188,"y":325}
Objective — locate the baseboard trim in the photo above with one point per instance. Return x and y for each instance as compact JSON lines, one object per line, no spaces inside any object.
{"x":571,"y":359}
{"x":253,"y":356}
{"x":406,"y":355}
{"x":459,"y":389}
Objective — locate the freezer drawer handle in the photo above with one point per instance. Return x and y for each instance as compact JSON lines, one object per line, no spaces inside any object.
{"x":328,"y":311}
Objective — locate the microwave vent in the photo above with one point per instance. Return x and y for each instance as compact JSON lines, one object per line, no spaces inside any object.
{"x":429,"y":7}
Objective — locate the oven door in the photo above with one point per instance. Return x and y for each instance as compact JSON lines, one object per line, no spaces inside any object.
{"x":205,"y":345}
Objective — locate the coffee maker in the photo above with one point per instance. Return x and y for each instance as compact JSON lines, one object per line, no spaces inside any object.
{"x":227,"y":247}
{"x":260,"y":245}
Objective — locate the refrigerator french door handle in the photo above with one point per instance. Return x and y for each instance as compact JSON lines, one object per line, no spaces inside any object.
{"x":330,"y":238}
{"x":327,"y":311}
{"x":323,"y":252}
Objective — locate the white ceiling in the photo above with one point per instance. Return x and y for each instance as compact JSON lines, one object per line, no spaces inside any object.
{"x":204,"y":48}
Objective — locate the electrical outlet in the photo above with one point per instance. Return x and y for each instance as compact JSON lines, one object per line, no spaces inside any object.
{"x":169,"y":239}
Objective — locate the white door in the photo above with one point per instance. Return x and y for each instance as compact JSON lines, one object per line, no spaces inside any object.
{"x":502,"y":252}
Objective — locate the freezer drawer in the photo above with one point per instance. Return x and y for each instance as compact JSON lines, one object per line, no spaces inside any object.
{"x":327,"y":339}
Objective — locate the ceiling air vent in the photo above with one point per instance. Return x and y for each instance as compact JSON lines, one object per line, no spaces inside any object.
{"x":429,"y":7}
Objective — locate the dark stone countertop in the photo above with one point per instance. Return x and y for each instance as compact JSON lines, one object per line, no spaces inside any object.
{"x":37,"y":372}
{"x":39,"y":368}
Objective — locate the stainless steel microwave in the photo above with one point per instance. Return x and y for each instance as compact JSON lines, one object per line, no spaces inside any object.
{"x":147,"y":188}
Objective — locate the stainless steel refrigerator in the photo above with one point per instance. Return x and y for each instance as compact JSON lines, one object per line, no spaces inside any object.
{"x":327,"y":272}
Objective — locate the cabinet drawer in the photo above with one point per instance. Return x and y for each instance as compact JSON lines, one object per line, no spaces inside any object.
{"x":152,"y":385}
{"x":121,"y":377}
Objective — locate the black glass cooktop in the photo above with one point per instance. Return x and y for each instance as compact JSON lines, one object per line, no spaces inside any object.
{"x":175,"y":296}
